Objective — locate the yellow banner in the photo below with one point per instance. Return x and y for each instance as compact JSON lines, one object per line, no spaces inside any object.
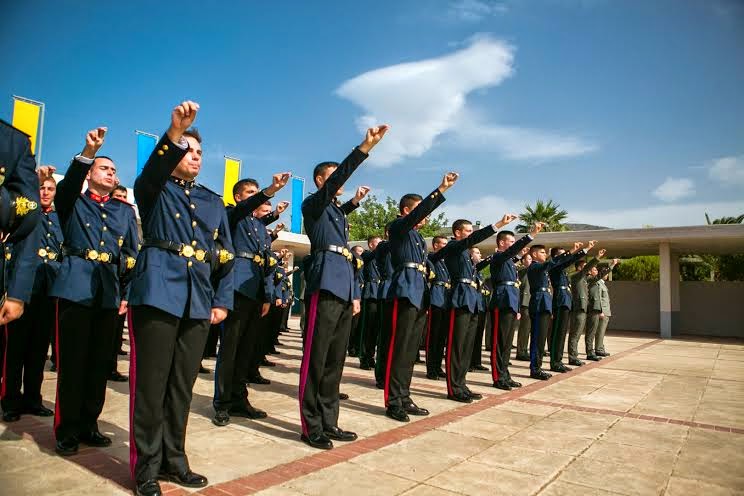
{"x":232,"y":174}
{"x":26,"y":118}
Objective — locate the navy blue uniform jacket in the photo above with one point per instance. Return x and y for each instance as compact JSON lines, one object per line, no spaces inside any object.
{"x":503,"y":269}
{"x":537,"y":275}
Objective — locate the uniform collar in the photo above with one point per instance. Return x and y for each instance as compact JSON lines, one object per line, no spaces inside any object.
{"x":47,"y":210}
{"x":183,"y":183}
{"x":97,"y":198}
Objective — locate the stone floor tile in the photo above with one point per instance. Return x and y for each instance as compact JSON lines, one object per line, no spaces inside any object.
{"x":477,"y":479}
{"x":349,"y":478}
{"x":616,"y":478}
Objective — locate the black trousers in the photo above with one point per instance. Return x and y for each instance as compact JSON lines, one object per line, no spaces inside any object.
{"x":327,"y":335}
{"x":25,"y":354}
{"x":477,"y":357}
{"x":384,"y":307}
{"x":210,"y":348}
{"x":407,"y":324}
{"x":354,"y":335}
{"x":285,"y":316}
{"x":436,"y":336}
{"x":118,"y":340}
{"x":462,"y":328}
{"x":540,"y":324}
{"x":85,"y":338}
{"x":238,"y":342}
{"x":503,"y":336}
{"x":561,"y":318}
{"x":166,"y":353}
{"x":370,"y":329}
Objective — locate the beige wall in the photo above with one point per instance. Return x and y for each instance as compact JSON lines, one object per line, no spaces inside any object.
{"x":706,"y":308}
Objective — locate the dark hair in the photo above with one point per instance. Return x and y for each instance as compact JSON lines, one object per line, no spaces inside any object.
{"x":194,"y":133}
{"x":435,"y":238}
{"x":321,"y":168}
{"x":537,"y":248}
{"x":554,"y":251}
{"x":48,"y":178}
{"x":121,"y":188}
{"x":370,"y":238}
{"x":103,"y":156}
{"x":408,"y":200}
{"x":459,"y":224}
{"x":503,"y":234}
{"x":242,"y":183}
{"x":577,"y":264}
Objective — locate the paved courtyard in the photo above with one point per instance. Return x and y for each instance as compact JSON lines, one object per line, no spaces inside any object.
{"x":657,"y":417}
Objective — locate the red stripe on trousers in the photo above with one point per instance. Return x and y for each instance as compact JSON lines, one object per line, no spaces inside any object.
{"x":495,"y":346}
{"x":449,"y":352}
{"x":428,"y":332}
{"x":390,"y":351}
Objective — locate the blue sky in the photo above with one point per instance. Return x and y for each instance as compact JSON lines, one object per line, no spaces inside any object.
{"x":627,"y":113}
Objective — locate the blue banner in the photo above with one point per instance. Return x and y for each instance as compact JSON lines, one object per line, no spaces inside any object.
{"x":298,"y":194}
{"x":145,"y":145}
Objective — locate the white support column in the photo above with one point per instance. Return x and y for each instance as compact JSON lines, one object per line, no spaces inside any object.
{"x":668,"y":291}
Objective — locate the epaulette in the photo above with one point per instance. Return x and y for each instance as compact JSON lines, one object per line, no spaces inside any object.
{"x":123,"y":201}
{"x":207,"y":189}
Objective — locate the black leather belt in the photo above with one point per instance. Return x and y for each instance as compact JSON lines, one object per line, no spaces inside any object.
{"x":413,"y":265}
{"x":471,"y":282}
{"x":181,"y":249}
{"x":507,"y":283}
{"x":446,"y":284}
{"x":567,"y":288}
{"x":341,"y":250}
{"x":254,"y":257}
{"x":546,"y":290}
{"x":92,"y":255}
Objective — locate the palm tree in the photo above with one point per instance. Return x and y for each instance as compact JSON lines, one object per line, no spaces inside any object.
{"x":725,"y":220}
{"x":548,"y":212}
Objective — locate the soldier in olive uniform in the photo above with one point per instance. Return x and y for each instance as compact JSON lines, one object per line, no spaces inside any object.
{"x":599,"y":312}
{"x":580,"y":293}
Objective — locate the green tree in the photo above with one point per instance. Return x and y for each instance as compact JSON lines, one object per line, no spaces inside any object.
{"x":645,"y":268}
{"x":726,"y":267}
{"x":372,"y":216}
{"x":548,"y":212}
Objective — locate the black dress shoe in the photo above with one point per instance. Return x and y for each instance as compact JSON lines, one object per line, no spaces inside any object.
{"x":398,"y":414}
{"x":461,"y":398}
{"x":593,"y":358}
{"x":514,"y":384}
{"x":433,"y":376}
{"x":602,"y":353}
{"x":11,"y":416}
{"x":560,"y":368}
{"x":221,"y":418}
{"x":39,"y":411}
{"x":66,"y":448}
{"x":414,"y":409}
{"x":475,"y":396}
{"x":339,"y":434}
{"x":575,"y":361}
{"x":478,"y":367}
{"x":343,"y":396}
{"x":353,"y":353}
{"x":117,"y":377}
{"x":379,"y":385}
{"x":319,"y":441}
{"x":275,"y":352}
{"x":266,"y":363}
{"x":442,"y":374}
{"x":540,"y":375}
{"x":204,"y":370}
{"x":502,"y":385}
{"x":248,"y":411}
{"x":522,"y":358}
{"x":259,"y":379}
{"x":95,"y":438}
{"x":186,"y":479}
{"x":122,"y":353}
{"x":148,"y":488}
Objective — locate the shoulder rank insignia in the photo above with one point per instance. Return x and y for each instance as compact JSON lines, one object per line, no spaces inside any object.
{"x":131,"y":261}
{"x":23,"y":206}
{"x":272,"y":261}
{"x":359,"y":264}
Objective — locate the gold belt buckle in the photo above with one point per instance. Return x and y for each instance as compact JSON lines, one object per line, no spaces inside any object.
{"x":345,"y":252}
{"x":258,"y":259}
{"x":187,"y":251}
{"x":200,"y":254}
{"x":225,"y":256}
{"x":92,"y":255}
{"x":104,"y":257}
{"x":42,"y":253}
{"x":52,"y":255}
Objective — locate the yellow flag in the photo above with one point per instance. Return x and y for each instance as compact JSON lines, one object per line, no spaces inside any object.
{"x":26,"y":116}
{"x":232,"y":174}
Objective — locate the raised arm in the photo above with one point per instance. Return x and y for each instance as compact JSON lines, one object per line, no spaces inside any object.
{"x":314,"y":205}
{"x":424,"y":208}
{"x":68,"y":189}
{"x":246,"y":207}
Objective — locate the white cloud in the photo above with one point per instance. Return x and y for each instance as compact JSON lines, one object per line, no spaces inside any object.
{"x":673,"y":189}
{"x":475,"y":10}
{"x":728,"y":170}
{"x":426,"y":99}
{"x":491,"y":208}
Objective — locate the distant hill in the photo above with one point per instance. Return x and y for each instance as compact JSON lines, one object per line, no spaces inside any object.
{"x":584,"y":227}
